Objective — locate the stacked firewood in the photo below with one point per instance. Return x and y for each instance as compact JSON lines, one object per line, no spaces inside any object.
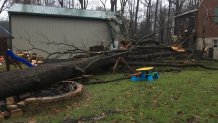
{"x":33,"y":58}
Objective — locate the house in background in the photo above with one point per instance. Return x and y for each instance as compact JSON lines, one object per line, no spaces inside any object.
{"x":207,"y":27}
{"x":185,"y":21}
{"x":54,"y":29}
{"x":204,"y":22}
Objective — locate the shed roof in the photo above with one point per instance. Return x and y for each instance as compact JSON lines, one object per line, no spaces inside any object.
{"x":57,"y":11}
{"x":4,"y":33}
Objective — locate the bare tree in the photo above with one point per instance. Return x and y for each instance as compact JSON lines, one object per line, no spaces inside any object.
{"x":168,"y":34}
{"x":178,"y":5}
{"x":8,"y":3}
{"x":155,"y":16}
{"x":162,"y":17}
{"x":3,"y":7}
{"x":113,"y":5}
{"x":72,"y":3}
{"x":148,"y":5}
{"x":122,"y":6}
{"x":61,"y":2}
{"x":27,"y":1}
{"x":131,"y":11}
{"x":83,"y":4}
{"x":136,"y":16}
{"x":103,"y":2}
{"x":192,"y":4}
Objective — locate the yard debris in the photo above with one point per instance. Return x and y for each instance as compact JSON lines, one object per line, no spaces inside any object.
{"x":47,"y":74}
{"x":124,"y":61}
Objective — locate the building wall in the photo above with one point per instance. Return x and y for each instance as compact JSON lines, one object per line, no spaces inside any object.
{"x":208,"y":41}
{"x":51,"y":33}
{"x":209,"y":44}
{"x":184,"y":22}
{"x":206,"y":15}
{"x":215,"y":53}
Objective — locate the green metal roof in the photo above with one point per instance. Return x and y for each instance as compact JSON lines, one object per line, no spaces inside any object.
{"x":57,"y":11}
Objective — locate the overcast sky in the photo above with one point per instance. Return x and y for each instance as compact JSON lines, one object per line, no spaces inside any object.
{"x":3,"y":15}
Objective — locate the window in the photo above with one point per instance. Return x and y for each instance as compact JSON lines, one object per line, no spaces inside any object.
{"x":215,"y":43}
{"x":216,"y":16}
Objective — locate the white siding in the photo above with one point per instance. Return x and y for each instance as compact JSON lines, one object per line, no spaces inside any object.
{"x":208,"y":41}
{"x":209,"y":44}
{"x":42,"y":31}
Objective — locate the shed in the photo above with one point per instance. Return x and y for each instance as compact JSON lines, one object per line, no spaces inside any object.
{"x":45,"y":30}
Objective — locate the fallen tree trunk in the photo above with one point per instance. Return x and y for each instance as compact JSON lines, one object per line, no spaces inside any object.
{"x":155,"y":47}
{"x":172,"y":65}
{"x":151,"y":55}
{"x":16,"y":82}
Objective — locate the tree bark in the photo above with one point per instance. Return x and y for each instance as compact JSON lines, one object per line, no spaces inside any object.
{"x":155,"y":15}
{"x":172,"y":65}
{"x":19,"y":81}
{"x":151,"y":55}
{"x":136,"y":17}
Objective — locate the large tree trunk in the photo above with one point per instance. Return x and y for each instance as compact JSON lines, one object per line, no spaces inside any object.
{"x":20,"y":81}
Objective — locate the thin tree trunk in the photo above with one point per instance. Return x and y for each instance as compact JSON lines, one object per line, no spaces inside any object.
{"x":81,"y":3}
{"x":155,"y":16}
{"x":168,"y":23}
{"x":148,"y":16}
{"x":113,"y":5}
{"x":136,"y":17}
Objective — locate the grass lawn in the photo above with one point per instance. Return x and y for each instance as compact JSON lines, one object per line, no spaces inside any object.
{"x":188,"y":96}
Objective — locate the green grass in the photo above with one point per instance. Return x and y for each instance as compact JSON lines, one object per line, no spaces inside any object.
{"x":188,"y":96}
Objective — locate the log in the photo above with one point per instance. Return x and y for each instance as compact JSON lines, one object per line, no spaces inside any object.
{"x":16,"y":82}
{"x":172,"y":65}
{"x":151,"y":55}
{"x":155,"y":47}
